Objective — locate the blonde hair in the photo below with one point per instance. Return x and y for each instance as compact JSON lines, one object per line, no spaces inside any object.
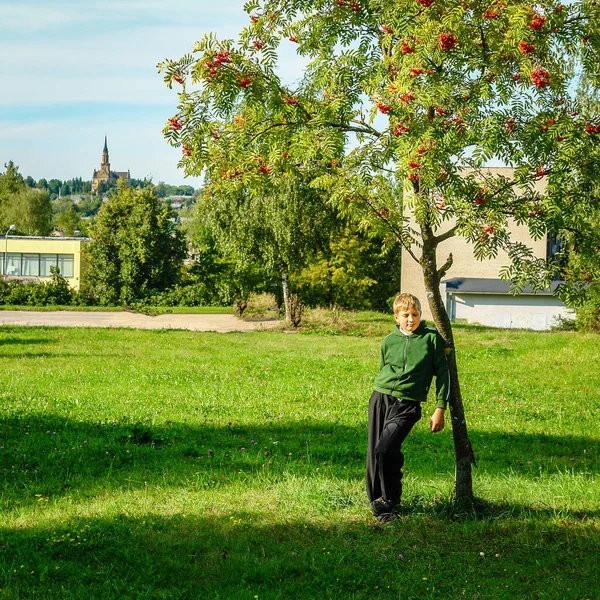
{"x":405,"y":302}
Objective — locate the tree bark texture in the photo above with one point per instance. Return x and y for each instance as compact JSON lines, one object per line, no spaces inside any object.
{"x":463,"y":486}
{"x":286,"y":297}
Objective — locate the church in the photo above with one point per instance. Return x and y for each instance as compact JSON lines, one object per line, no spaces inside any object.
{"x":105,"y":175}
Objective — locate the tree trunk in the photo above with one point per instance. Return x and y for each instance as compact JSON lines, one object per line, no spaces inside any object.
{"x":286,"y":297}
{"x":463,"y":485}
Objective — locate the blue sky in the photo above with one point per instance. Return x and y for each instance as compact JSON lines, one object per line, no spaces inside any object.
{"x":74,"y":71}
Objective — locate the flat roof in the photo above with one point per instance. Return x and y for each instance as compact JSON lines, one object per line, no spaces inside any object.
{"x":53,"y":237}
{"x":481,"y":285}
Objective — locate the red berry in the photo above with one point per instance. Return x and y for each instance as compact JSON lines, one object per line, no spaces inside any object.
{"x":293,"y":38}
{"x":186,"y":150}
{"x":446,"y":41}
{"x":254,"y":19}
{"x":413,"y":177}
{"x":406,"y":48}
{"x":384,"y":108}
{"x":526,"y":47}
{"x":413,"y":164}
{"x":258,"y":44}
{"x":490,"y":13}
{"x":407,"y":97}
{"x":480,"y":197}
{"x":537,"y":22}
{"x":291,"y":100}
{"x":416,"y":71}
{"x":264,"y":169}
{"x":175,"y":123}
{"x":178,"y":80}
{"x":387,"y":29}
{"x":540,"y":77}
{"x":400,"y":129}
{"x":245,"y":82}
{"x":425,"y":3}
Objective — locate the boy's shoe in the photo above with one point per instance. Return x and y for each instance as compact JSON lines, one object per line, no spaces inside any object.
{"x":387,"y":517}
{"x":381,"y":507}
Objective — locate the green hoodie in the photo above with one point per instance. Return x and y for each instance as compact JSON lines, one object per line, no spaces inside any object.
{"x":408,"y":364}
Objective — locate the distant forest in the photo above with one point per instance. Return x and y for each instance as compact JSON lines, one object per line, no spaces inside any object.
{"x":76,"y":186}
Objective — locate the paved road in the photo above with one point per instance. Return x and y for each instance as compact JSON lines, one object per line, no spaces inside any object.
{"x":219,"y":323}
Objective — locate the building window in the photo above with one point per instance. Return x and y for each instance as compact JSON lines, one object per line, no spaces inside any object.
{"x":47,"y":261}
{"x":38,"y":265}
{"x":13,"y":264}
{"x":31,"y":265}
{"x":65,"y":264}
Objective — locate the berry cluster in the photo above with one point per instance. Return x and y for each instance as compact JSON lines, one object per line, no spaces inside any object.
{"x":223,"y":57}
{"x":426,"y":3}
{"x":406,"y":48}
{"x":264,"y":169}
{"x":537,"y":22}
{"x":245,"y":82}
{"x":416,"y":71}
{"x":178,"y":80}
{"x":387,"y":29}
{"x":258,"y":44}
{"x":446,"y":41}
{"x":291,"y":100}
{"x":400,"y":129}
{"x":480,"y":197}
{"x":540,"y":77}
{"x":592,"y":129}
{"x":407,"y":97}
{"x":413,"y":164}
{"x":384,"y":108}
{"x":526,"y":47}
{"x":175,"y":124}
{"x":187,"y":151}
{"x":490,"y":13}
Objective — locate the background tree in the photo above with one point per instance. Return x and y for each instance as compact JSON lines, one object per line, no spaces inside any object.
{"x":135,"y":248}
{"x":277,"y":224}
{"x":427,"y":91}
{"x":70,"y":221}
{"x":20,"y":205}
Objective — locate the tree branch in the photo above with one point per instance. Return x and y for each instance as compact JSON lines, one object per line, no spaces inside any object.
{"x":446,"y":235}
{"x":445,"y":267}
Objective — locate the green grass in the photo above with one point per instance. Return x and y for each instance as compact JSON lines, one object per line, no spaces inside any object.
{"x":181,"y":465}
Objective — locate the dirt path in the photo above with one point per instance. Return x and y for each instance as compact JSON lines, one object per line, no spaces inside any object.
{"x":219,"y":323}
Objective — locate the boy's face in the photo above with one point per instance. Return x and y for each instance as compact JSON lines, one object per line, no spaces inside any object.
{"x":408,"y":318}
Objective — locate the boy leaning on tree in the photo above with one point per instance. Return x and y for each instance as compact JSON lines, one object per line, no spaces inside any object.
{"x":410,"y":357}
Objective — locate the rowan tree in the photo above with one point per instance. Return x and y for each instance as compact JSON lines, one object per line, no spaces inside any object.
{"x":416,"y":94}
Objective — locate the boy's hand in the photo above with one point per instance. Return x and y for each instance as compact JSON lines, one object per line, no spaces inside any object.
{"x":437,"y":420}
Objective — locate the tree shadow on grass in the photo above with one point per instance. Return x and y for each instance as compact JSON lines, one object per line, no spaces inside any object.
{"x":55,"y":456}
{"x":210,"y":555}
{"x":14,"y":341}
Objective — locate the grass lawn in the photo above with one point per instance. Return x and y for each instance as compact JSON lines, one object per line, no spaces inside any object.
{"x":182,"y":465}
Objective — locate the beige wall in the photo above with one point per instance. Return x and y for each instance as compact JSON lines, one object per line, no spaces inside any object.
{"x":47,"y":245}
{"x":464,"y":262}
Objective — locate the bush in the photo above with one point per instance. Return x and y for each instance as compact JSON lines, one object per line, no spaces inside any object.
{"x":55,"y":292}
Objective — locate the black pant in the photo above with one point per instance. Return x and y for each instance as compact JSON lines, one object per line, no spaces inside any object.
{"x":390,"y":421}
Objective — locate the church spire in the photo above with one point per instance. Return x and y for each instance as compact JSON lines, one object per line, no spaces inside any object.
{"x":105,"y":154}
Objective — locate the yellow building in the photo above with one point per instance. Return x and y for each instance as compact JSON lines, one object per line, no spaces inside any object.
{"x":30,"y":258}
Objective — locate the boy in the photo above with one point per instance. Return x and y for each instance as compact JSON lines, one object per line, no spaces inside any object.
{"x":410,"y":356}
